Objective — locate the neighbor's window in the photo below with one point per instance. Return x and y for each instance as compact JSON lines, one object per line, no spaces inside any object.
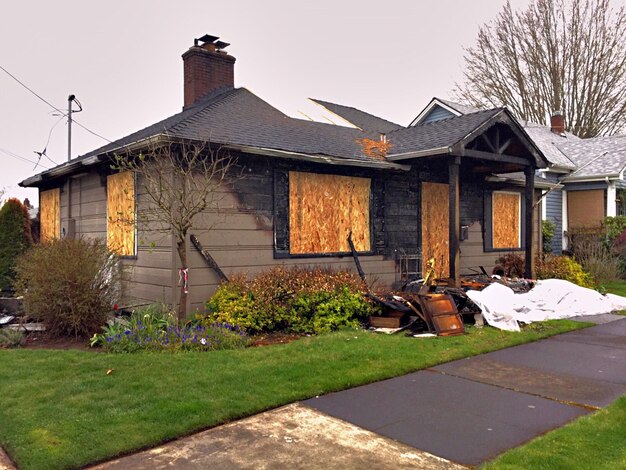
{"x":324,"y":209}
{"x":50,"y":214}
{"x":506,"y":220}
{"x":121,"y":213}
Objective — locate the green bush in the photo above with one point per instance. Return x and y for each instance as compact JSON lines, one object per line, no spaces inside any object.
{"x":291,"y":300}
{"x":548,"y":230}
{"x":69,"y":285}
{"x":11,"y":338}
{"x":564,"y":267}
{"x":614,"y":226}
{"x":15,"y":239}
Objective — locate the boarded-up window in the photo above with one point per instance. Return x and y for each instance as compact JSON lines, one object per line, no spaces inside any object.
{"x":585,"y":208}
{"x":50,"y":213}
{"x":506,"y":219}
{"x":121,"y":213}
{"x":436,"y":227}
{"x":323,"y":209}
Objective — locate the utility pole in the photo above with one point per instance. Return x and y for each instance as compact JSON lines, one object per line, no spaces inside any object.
{"x":70,"y":99}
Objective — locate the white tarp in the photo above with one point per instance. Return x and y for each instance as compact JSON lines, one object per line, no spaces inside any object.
{"x":549,"y":299}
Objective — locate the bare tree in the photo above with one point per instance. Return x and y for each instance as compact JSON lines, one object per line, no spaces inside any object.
{"x":178,"y":181}
{"x":566,"y":55}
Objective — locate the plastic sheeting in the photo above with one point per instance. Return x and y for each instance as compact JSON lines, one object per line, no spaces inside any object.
{"x":549,"y":299}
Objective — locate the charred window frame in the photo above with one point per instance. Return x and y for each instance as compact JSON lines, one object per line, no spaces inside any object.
{"x":282,"y":233}
{"x":489,"y":221}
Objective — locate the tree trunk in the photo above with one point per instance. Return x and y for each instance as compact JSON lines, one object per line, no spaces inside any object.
{"x":181,"y":246}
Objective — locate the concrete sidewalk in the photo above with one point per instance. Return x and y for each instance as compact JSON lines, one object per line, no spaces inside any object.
{"x":466,"y":411}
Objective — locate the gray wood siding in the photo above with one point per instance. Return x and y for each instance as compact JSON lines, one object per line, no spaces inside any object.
{"x":554,"y":212}
{"x":241,"y":237}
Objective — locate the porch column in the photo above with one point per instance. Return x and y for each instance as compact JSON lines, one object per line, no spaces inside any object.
{"x":529,"y":173}
{"x":454,"y":221}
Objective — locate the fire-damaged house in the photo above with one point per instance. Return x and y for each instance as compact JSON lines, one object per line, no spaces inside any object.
{"x":436,"y":190}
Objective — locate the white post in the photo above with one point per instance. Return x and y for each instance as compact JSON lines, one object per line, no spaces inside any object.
{"x":564,"y":220}
{"x":611,"y":196}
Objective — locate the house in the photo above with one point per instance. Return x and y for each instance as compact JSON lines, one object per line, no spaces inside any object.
{"x":596,"y":188}
{"x":433,"y":193}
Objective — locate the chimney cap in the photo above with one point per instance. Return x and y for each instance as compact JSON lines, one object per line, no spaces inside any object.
{"x":206,"y":38}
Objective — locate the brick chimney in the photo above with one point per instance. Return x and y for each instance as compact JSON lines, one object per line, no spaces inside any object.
{"x":557,"y":123}
{"x":206,"y":67}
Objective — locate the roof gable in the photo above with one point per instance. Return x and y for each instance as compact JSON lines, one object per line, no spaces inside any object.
{"x":361,"y":119}
{"x":439,"y":109}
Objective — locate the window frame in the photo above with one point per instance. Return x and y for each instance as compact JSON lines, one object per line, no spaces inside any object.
{"x":489,"y":217}
{"x":282,"y":229}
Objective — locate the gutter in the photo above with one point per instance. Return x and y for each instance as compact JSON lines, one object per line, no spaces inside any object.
{"x":518,"y":182}
{"x":74,"y":166}
{"x":383,"y":165}
{"x":586,"y":179}
{"x":419,"y":153}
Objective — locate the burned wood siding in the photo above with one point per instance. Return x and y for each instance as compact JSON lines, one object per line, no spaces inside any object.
{"x":473,"y":255}
{"x":248,"y":228}
{"x":401,"y":213}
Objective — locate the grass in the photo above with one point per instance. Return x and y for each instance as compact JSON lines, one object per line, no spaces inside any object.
{"x":60,"y":409}
{"x":592,"y":441}
{"x":617,"y":287}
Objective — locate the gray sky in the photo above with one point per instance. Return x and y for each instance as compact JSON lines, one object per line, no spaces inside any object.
{"x":123,"y":62}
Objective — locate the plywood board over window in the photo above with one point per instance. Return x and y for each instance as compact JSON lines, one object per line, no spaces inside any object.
{"x":50,"y":213}
{"x":436,"y":227}
{"x":506,"y":219}
{"x":585,"y":208}
{"x":121,"y":213}
{"x":324,"y":209}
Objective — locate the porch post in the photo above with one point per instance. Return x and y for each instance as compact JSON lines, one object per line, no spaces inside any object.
{"x":529,"y":173}
{"x":455,"y":221}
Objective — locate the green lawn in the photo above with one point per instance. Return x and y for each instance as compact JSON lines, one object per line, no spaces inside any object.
{"x":60,"y":409}
{"x":593,"y":441}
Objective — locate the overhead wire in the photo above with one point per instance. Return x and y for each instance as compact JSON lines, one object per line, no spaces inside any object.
{"x":19,"y":157}
{"x":63,"y":113}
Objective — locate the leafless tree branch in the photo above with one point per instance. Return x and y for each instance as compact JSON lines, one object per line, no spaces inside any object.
{"x":566,"y":55}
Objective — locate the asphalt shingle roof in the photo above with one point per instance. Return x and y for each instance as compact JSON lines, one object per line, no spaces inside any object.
{"x":443,"y":133}
{"x":366,"y":121}
{"x":461,"y":108}
{"x":598,"y":156}
{"x":549,"y":142}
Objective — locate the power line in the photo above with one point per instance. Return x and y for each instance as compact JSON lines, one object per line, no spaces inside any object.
{"x":63,"y":113}
{"x":19,"y":157}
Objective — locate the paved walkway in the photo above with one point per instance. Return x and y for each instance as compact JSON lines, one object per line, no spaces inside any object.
{"x":466,"y":411}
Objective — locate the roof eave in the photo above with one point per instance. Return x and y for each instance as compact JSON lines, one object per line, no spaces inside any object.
{"x":325,"y":159}
{"x":591,"y":178}
{"x":418,"y":154}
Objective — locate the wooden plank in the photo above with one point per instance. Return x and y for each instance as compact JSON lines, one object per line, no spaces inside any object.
{"x":50,"y":214}
{"x":324,"y":209}
{"x":585,"y":208}
{"x":530,"y":223}
{"x":121,"y":213}
{"x":435,"y":227}
{"x":506,"y":219}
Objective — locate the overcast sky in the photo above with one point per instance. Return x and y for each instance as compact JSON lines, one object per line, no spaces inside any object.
{"x":122,"y":60}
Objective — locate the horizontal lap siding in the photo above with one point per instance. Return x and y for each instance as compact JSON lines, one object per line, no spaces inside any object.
{"x":554,"y":212}
{"x":242,"y":240}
